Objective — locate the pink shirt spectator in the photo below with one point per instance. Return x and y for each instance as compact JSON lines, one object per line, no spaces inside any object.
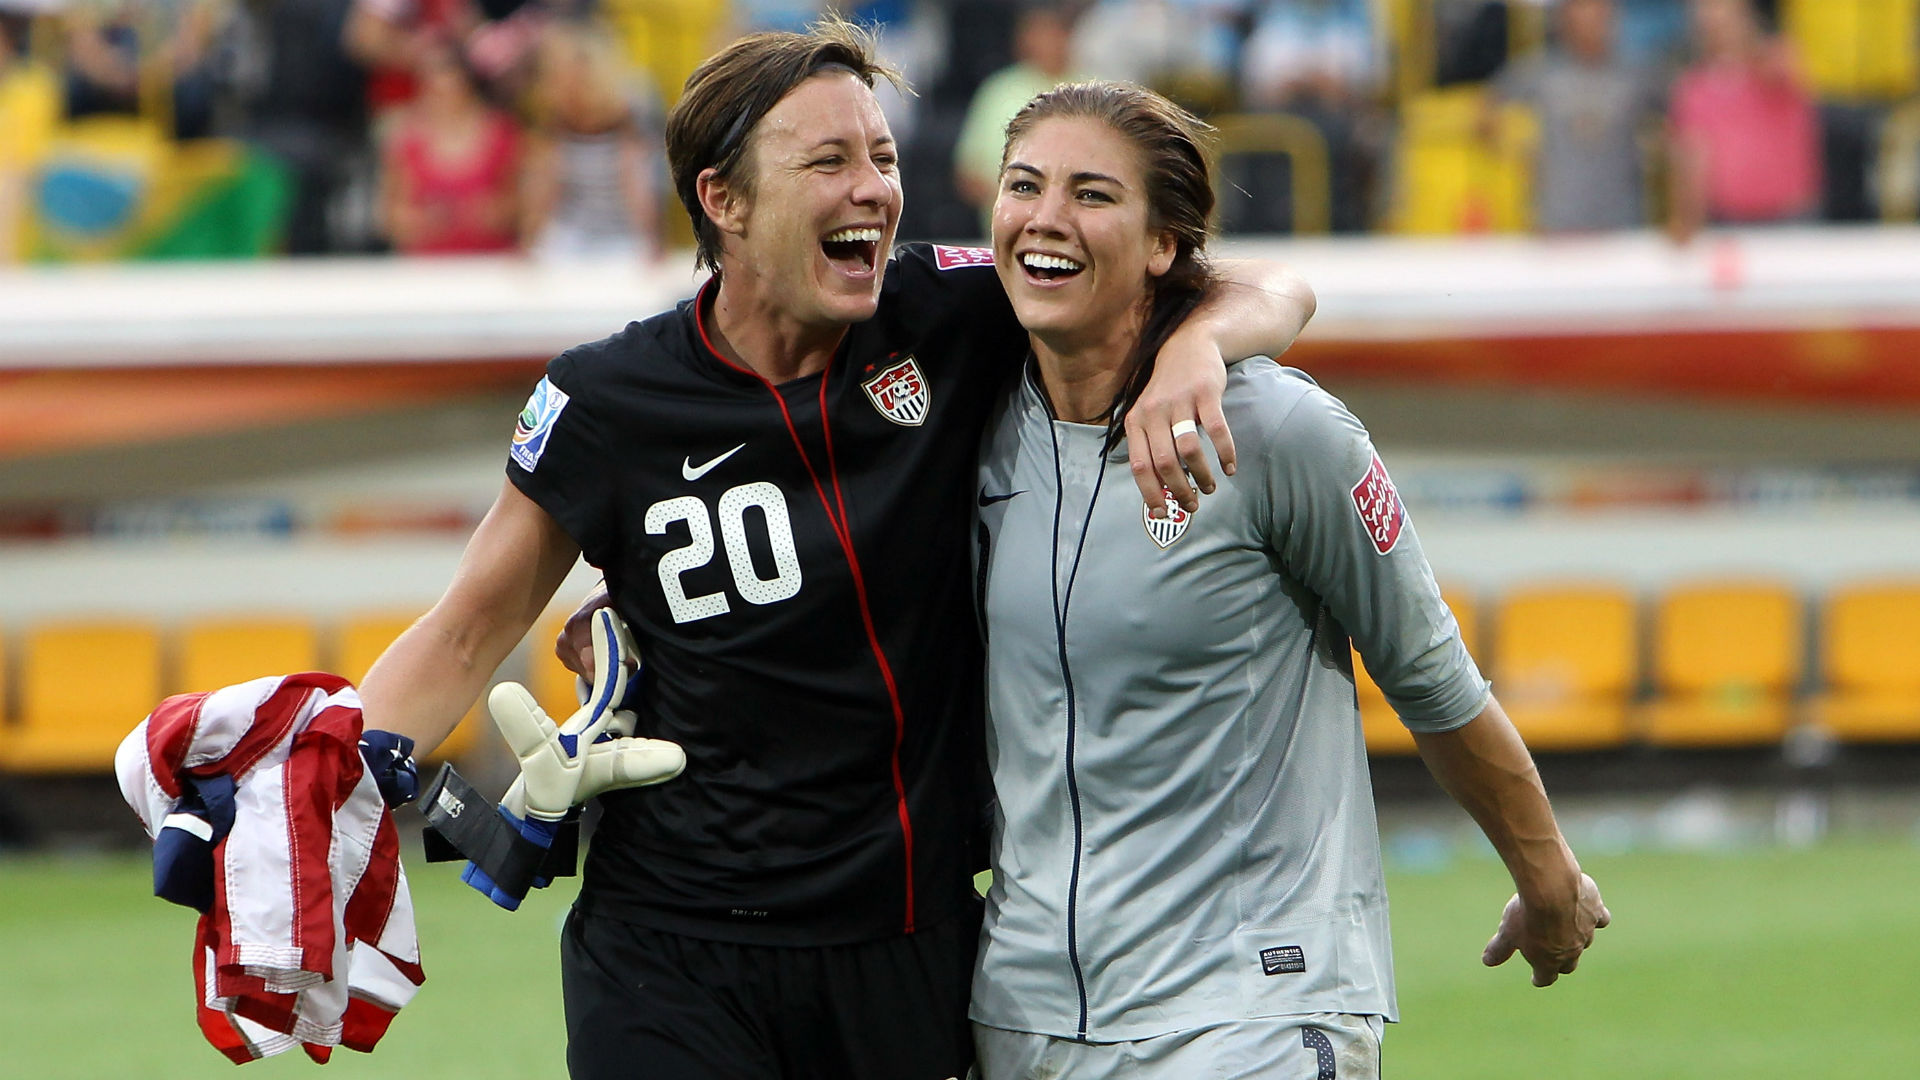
{"x":1760,"y":138}
{"x":461,"y":197}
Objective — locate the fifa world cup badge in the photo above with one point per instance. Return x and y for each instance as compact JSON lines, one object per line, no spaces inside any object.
{"x":535,"y":424}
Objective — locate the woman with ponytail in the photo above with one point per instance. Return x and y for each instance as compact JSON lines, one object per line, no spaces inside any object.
{"x":1187,"y":874}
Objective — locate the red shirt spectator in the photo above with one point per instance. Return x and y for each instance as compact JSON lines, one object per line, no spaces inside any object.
{"x":452,"y":166}
{"x":1746,"y":137}
{"x":387,"y":36}
{"x":1760,"y":142}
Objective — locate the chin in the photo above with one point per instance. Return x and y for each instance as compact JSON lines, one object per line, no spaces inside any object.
{"x":1040,"y":317}
{"x":849,"y":309}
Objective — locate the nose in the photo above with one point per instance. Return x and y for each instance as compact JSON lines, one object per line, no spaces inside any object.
{"x":871,"y":185}
{"x":1048,"y":216}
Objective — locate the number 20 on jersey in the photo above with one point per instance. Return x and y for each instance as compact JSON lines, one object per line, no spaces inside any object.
{"x":731,"y":514}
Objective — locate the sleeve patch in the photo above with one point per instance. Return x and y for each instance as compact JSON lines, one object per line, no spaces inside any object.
{"x":535,"y":424}
{"x":1378,"y":505}
{"x":952,"y":258}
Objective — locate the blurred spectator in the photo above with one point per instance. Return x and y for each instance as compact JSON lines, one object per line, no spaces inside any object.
{"x":1165,"y":44}
{"x":1746,"y":138}
{"x":387,"y":37}
{"x":451,"y":164}
{"x":111,"y":43}
{"x":1321,"y":60}
{"x":303,"y":100}
{"x":1651,"y":33}
{"x":591,"y":160}
{"x":790,"y":15}
{"x":1326,"y":53}
{"x":1041,"y":38}
{"x":795,"y":15}
{"x":1588,"y":174}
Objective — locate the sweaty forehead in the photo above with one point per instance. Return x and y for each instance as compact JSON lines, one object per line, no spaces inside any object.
{"x":1075,"y":144}
{"x":830,"y":106}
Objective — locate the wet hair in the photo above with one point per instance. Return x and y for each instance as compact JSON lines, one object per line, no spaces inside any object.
{"x":1179,"y":190}
{"x":712,"y":125}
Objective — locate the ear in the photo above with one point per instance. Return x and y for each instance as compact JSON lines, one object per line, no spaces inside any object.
{"x":724,"y":206}
{"x":1165,"y":247}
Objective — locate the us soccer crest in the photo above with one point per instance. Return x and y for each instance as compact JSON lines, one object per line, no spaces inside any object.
{"x":1166,"y":530}
{"x":900,"y":393}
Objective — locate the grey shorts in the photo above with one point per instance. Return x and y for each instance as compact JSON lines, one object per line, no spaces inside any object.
{"x":1314,"y":1046}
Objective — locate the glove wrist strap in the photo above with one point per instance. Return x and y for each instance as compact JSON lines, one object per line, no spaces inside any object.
{"x":464,"y":824}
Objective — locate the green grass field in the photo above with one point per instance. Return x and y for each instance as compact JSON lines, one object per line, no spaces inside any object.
{"x":1788,"y":964}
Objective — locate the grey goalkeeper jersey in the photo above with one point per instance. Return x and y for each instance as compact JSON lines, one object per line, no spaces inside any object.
{"x":1185,"y":831}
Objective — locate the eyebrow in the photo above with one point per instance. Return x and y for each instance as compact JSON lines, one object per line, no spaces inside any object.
{"x":884,"y":140}
{"x":1078,"y":178}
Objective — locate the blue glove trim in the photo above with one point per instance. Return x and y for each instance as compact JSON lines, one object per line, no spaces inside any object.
{"x":605,"y":700}
{"x":535,"y":831}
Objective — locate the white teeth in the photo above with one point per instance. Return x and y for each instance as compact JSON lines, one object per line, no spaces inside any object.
{"x":851,"y":236}
{"x":1036,"y":261}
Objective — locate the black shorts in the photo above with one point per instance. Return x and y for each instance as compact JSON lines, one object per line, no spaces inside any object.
{"x":648,"y":1005}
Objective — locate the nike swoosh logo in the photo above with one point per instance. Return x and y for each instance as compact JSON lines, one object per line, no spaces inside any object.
{"x":694,"y":472}
{"x":989,"y":500}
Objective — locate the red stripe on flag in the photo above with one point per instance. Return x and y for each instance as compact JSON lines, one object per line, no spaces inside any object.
{"x":170,"y":730}
{"x":272,"y":720}
{"x":310,"y":787}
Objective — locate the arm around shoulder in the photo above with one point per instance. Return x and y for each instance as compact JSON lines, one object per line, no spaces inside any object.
{"x":1552,"y":917}
{"x":1256,"y":309}
{"x":431,"y":674}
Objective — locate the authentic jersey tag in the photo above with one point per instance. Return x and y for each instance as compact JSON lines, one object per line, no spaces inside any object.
{"x":1283,"y":960}
{"x":1166,"y":530}
{"x":952,"y":258}
{"x":535,"y":424}
{"x":900,"y":393}
{"x":1378,"y":504}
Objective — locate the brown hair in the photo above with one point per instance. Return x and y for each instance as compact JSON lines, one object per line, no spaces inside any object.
{"x":712,"y":125}
{"x":1179,"y":190}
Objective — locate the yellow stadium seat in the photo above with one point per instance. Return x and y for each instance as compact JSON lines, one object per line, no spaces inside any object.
{"x":83,"y":687}
{"x":1871,"y":663}
{"x":1859,"y":49}
{"x":1451,"y":180}
{"x":1564,"y":659}
{"x":1726,"y":658}
{"x":362,"y":638}
{"x":220,"y":652}
{"x":1381,"y":726}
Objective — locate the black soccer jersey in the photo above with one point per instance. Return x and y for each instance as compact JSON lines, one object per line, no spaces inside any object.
{"x":793,"y":561}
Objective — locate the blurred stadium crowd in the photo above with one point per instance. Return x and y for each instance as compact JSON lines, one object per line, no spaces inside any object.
{"x":171,"y":128}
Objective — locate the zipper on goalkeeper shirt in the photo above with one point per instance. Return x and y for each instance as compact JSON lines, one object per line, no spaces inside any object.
{"x":1061,"y":602}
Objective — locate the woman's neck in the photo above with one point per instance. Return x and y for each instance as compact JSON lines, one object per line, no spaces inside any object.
{"x":754,"y":332}
{"x":1082,"y":377}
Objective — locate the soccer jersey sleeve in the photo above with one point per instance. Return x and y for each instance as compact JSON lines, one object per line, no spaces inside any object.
{"x":559,"y":458}
{"x":1340,"y":528}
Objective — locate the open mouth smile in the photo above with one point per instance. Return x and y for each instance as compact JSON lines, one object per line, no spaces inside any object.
{"x":1041,"y":266}
{"x":854,"y":249}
